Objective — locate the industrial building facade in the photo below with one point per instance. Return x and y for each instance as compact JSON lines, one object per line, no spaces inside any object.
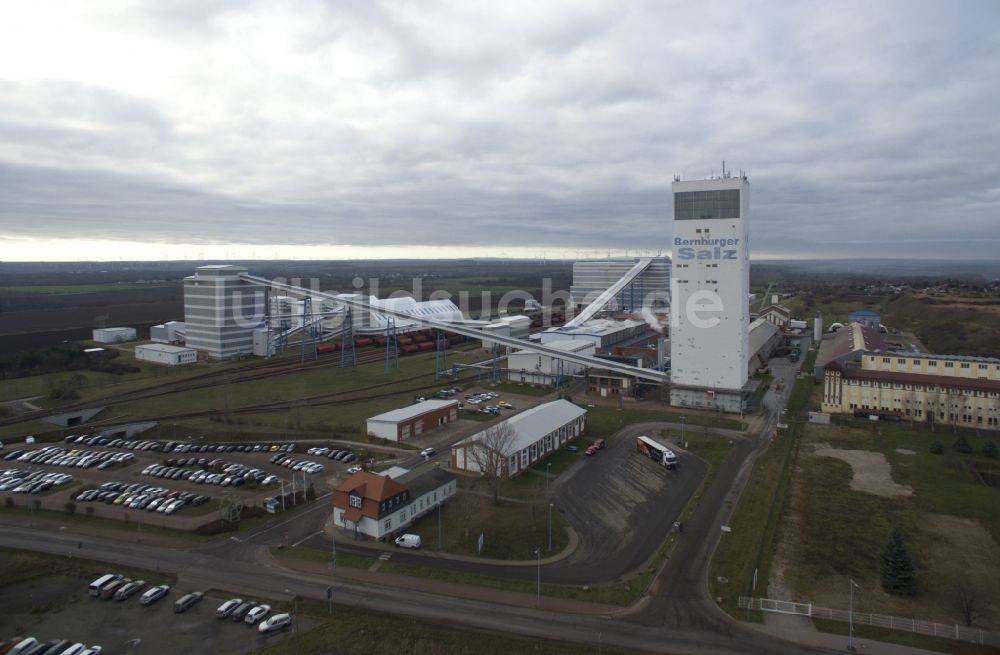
{"x":407,"y":422}
{"x":532,"y":367}
{"x":710,"y":317}
{"x":534,"y":433}
{"x":221,"y":311}
{"x":591,"y":278}
{"x":948,"y":389}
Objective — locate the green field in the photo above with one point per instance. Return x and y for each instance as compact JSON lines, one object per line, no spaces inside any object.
{"x":354,"y":632}
{"x":70,"y":289}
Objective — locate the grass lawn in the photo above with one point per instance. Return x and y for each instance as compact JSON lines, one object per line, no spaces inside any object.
{"x":21,"y":565}
{"x":349,"y":560}
{"x":951,"y":524}
{"x":603,"y":421}
{"x":512,"y":529}
{"x":754,"y":524}
{"x":355,"y":632}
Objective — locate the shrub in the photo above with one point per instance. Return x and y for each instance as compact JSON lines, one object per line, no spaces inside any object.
{"x":990,"y":449}
{"x":963,"y":446}
{"x":71,"y":507}
{"x":90,"y":511}
{"x":8,"y":502}
{"x":937,"y":448}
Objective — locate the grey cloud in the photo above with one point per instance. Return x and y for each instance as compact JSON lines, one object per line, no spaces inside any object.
{"x":541,"y":125}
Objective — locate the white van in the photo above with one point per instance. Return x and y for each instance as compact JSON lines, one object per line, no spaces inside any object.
{"x":409,"y":541}
{"x":98,"y":585}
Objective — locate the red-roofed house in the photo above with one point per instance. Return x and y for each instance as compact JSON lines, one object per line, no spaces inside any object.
{"x":377,"y":505}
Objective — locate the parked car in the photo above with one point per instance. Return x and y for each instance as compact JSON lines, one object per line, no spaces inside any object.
{"x":256,"y":614}
{"x":276,"y":622}
{"x":127,"y":591}
{"x":591,"y":450}
{"x":154,"y":594}
{"x":241,"y":611}
{"x":187,"y":601}
{"x":427,"y":452}
{"x":355,"y":469}
{"x":571,"y":449}
{"x":227,"y":607}
{"x":601,"y":444}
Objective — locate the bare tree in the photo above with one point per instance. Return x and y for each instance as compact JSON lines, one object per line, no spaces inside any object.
{"x":969,"y":598}
{"x":490,"y":453}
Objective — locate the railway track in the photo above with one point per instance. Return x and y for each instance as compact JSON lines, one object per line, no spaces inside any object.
{"x":233,"y":375}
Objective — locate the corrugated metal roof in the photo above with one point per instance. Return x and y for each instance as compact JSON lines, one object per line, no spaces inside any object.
{"x":536,"y":422}
{"x":413,"y":411}
{"x":761,"y":331}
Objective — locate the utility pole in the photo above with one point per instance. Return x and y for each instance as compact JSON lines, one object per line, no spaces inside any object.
{"x":538,"y":554}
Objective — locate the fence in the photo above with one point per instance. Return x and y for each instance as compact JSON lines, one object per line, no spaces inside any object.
{"x":929,"y":628}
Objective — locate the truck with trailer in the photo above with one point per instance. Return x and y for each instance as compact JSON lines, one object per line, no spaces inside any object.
{"x":656,"y":451}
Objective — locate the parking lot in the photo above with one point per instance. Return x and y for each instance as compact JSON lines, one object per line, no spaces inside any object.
{"x":623,"y":505}
{"x":59,"y":608}
{"x":254,"y":472}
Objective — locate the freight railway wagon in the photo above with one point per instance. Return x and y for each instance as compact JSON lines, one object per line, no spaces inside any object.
{"x":406,"y":343}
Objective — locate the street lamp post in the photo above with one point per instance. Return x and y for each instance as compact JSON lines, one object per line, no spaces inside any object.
{"x":550,"y":527}
{"x":682,"y":432}
{"x":538,"y":554}
{"x":850,"y":619}
{"x":548,"y":465}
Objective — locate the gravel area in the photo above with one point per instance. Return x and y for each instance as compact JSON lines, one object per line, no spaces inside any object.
{"x":871,"y":471}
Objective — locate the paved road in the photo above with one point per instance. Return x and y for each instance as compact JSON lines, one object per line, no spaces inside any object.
{"x":271,"y":580}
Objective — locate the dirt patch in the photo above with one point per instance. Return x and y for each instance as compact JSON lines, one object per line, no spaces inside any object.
{"x":904,"y":451}
{"x":871,"y":471}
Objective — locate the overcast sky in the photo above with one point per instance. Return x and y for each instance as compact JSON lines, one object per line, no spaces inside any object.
{"x":364,"y":129}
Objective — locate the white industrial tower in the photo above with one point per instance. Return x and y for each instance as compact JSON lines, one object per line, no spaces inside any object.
{"x":710,"y":313}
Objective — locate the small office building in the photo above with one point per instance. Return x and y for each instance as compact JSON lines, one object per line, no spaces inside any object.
{"x":412,"y":421}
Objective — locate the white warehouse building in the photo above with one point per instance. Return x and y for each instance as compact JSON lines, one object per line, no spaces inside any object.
{"x":534,"y":433}
{"x":114,"y":335}
{"x":161,"y":353}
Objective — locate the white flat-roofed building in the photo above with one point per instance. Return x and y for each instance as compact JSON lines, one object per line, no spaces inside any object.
{"x":532,"y":367}
{"x":534,"y":433}
{"x":412,"y":421}
{"x":114,"y":335}
{"x":710,"y":316}
{"x":161,"y":353}
{"x":603,"y":332}
{"x":221,"y":311}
